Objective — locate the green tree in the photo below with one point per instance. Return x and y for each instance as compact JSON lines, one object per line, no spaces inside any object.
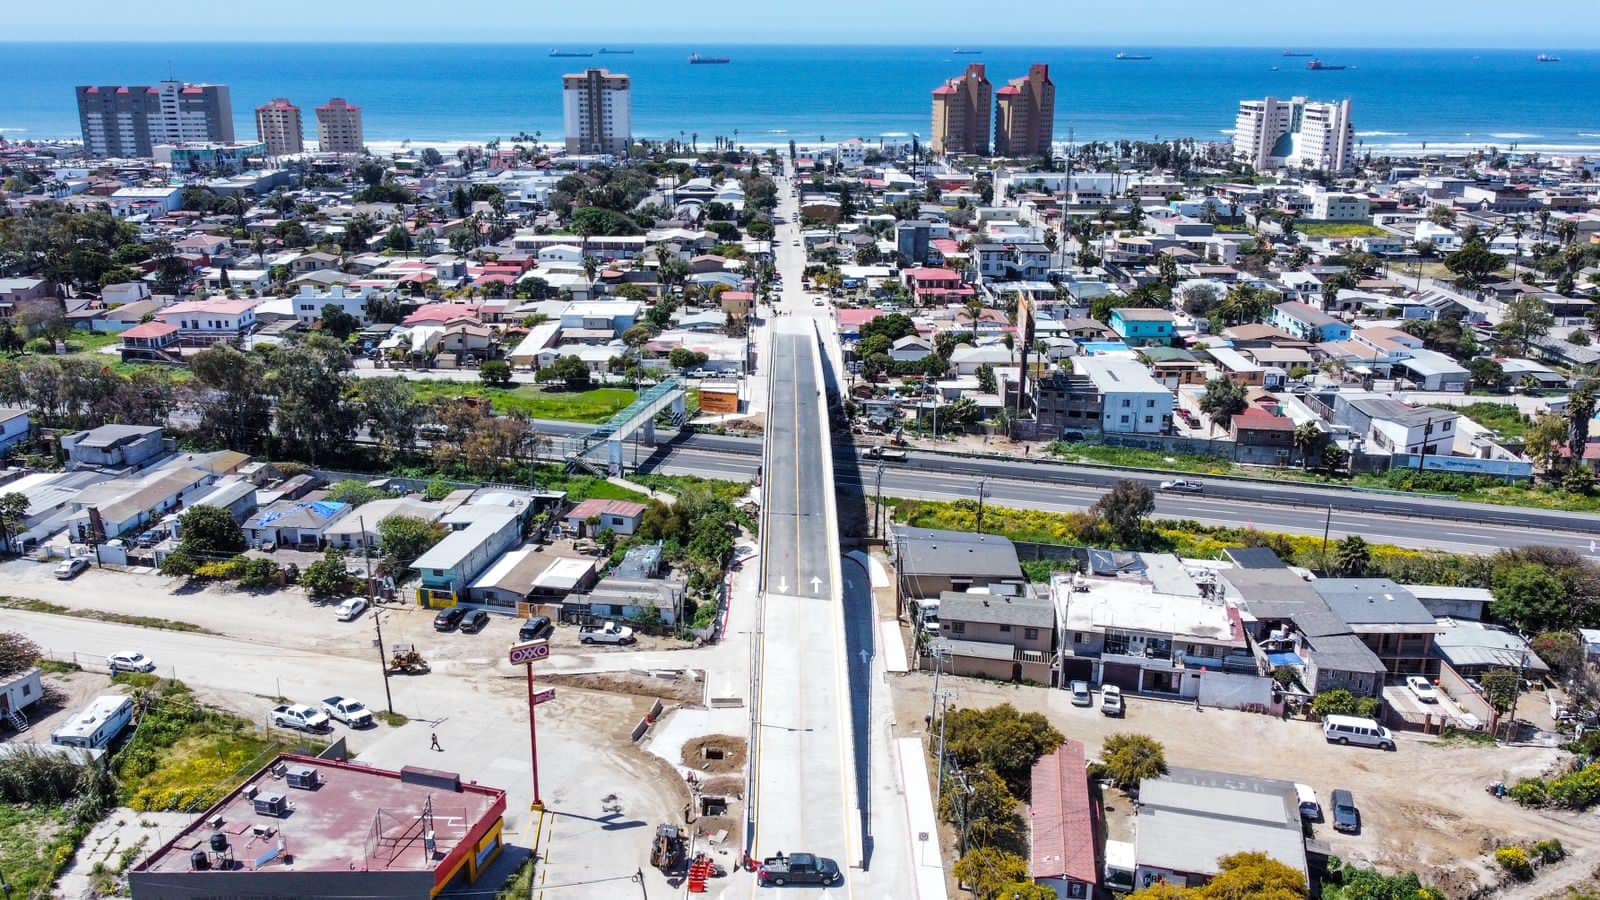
{"x":1001,"y":739}
{"x":311,"y":381}
{"x":987,"y":872}
{"x":1473,"y":263}
{"x":1500,"y":688}
{"x":328,"y":576}
{"x":1123,"y":510}
{"x":986,"y":380}
{"x":18,"y":653}
{"x":210,"y":532}
{"x":1307,"y":437}
{"x":13,"y":517}
{"x":1254,"y":876}
{"x":1487,"y":374}
{"x":392,"y":412}
{"x":404,"y":538}
{"x":983,"y":809}
{"x":338,"y":323}
{"x":1530,"y":597}
{"x":1346,"y":882}
{"x":683,"y":359}
{"x":1340,"y":702}
{"x":571,"y":371}
{"x":355,"y":493}
{"x":258,"y":572}
{"x":495,"y":373}
{"x":1131,"y":758}
{"x":234,"y":411}
{"x":1525,"y":320}
{"x":179,"y":564}
{"x":1352,"y":558}
{"x":1223,"y":399}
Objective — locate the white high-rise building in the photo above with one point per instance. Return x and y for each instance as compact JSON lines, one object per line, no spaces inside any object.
{"x":598,"y":111}
{"x":1271,"y":134}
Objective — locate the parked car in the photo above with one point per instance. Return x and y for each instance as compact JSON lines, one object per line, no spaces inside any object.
{"x":449,"y":619}
{"x":1356,"y":730}
{"x":348,"y":710}
{"x":1310,"y":809}
{"x":609,"y":633}
{"x":474,"y":621}
{"x":300,"y":716}
{"x":797,"y":868}
{"x":352,"y":609}
{"x":1111,"y":701}
{"x":536,"y":628}
{"x":1346,"y":817}
{"x":71,"y":568}
{"x":130,"y":661}
{"x":1080,"y":694}
{"x":1183,"y":486}
{"x":1422,"y":688}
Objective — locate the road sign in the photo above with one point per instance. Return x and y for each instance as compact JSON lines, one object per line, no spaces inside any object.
{"x":531,"y":651}
{"x":544,"y":696}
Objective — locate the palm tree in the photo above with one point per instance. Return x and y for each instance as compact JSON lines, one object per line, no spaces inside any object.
{"x":1306,"y":438}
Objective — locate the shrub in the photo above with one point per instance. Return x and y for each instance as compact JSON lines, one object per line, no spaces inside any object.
{"x":1340,"y":702}
{"x":258,"y":573}
{"x":1515,"y":860}
{"x":1530,"y":792}
{"x":227,"y":570}
{"x":1549,"y":851}
{"x":1577,"y":790}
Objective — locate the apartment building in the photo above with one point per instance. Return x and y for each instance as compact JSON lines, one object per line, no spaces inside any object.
{"x":1132,"y":402}
{"x":1025,"y":115}
{"x":278,"y":125}
{"x":339,"y":128}
{"x":961,"y":113}
{"x":1272,"y":134}
{"x":598,"y":111}
{"x":129,"y":121}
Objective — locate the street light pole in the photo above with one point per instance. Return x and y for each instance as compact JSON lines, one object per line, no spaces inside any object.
{"x":383,"y":660}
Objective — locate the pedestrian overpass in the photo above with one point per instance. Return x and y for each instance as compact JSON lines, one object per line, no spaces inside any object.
{"x":639,"y":418}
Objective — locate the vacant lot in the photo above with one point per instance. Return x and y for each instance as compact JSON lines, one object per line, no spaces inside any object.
{"x":592,"y":407}
{"x":1424,"y":806}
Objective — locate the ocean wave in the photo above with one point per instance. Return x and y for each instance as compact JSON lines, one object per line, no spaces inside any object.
{"x":1580,"y":134}
{"x":1513,"y":135}
{"x":1382,"y":133}
{"x":1228,"y":131}
{"x":12,"y":130}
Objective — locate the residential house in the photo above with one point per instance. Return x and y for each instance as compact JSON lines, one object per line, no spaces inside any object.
{"x":1062,"y":823}
{"x":911,"y":348}
{"x":1189,"y":819}
{"x":309,"y":303}
{"x":1256,"y":427}
{"x":121,"y":506}
{"x":18,"y":691}
{"x":515,"y":577}
{"x":638,"y":588}
{"x":1388,"y":618}
{"x":931,"y":562}
{"x":294,"y":523}
{"x":151,"y":342}
{"x":593,"y":516}
{"x":1140,"y":327}
{"x":15,"y":426}
{"x":363,"y":526}
{"x":481,"y":531}
{"x":1307,"y":323}
{"x":1390,"y":426}
{"x":1132,"y":402}
{"x":211,"y":321}
{"x":967,"y":359}
{"x":611,"y":316}
{"x":937,"y":286}
{"x":114,"y":447}
{"x":1001,"y":632}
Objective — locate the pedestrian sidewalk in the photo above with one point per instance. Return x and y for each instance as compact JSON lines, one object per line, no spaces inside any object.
{"x":663,"y":496}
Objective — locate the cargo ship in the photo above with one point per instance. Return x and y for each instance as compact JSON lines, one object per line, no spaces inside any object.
{"x":960,"y":52}
{"x":1296,"y":53}
{"x":1317,"y":65}
{"x":569,"y":53}
{"x":1545,"y":57}
{"x":698,"y":60}
{"x":1131,"y":57}
{"x":605,"y":52}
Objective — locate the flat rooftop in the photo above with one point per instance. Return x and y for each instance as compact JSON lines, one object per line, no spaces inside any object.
{"x":357,"y":819}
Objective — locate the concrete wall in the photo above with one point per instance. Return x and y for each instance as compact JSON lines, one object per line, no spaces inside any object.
{"x":275,"y":881}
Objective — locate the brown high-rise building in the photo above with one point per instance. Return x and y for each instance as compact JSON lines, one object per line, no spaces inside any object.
{"x":598,"y":112}
{"x":1025,"y":115}
{"x":279,"y":126}
{"x":119,"y":121}
{"x":339,"y":128}
{"x":961,"y":114}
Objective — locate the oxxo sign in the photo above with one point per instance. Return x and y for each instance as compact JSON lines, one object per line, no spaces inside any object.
{"x":532,"y":651}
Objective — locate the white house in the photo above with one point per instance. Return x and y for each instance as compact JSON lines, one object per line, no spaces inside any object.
{"x":210,"y":321}
{"x":852,"y":154}
{"x":1335,"y":207}
{"x":308,"y":304}
{"x":1131,"y":400}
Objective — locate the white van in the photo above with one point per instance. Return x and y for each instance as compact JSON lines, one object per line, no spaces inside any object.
{"x":1310,"y":809}
{"x":1354,"y":730}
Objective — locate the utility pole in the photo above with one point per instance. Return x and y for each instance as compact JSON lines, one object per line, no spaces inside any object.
{"x":877,"y":508}
{"x":383,"y":660}
{"x":366,"y":556}
{"x":1326,"y":525}
{"x":981,"y":484}
{"x":944,"y":711}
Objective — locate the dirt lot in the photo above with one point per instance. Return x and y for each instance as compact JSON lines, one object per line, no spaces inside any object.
{"x":683,"y":690}
{"x":717,"y":754}
{"x":1424,"y":806}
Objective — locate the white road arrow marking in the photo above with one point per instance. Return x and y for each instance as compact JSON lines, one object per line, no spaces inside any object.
{"x":816,"y":584}
{"x":865,"y":657}
{"x":783,"y":585}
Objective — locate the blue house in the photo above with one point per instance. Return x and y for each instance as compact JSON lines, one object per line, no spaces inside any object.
{"x":1143,"y":327}
{"x":1307,"y":323}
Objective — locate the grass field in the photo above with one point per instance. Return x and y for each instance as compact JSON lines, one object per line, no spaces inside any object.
{"x":31,"y":837}
{"x":1133,"y":457}
{"x":592,"y":407}
{"x":1339,"y":230}
{"x":1502,"y":417}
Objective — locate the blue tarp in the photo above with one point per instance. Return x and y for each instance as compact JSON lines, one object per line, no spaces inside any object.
{"x":1284,"y":659}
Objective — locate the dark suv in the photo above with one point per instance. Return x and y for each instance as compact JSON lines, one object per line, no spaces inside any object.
{"x":475,"y":621}
{"x":536,"y":628}
{"x":449,"y":619}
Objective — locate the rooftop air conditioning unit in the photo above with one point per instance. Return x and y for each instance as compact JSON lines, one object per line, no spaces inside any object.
{"x":303,"y":777}
{"x":271,"y":805}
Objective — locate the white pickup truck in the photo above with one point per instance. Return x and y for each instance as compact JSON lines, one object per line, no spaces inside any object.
{"x":609,"y":633}
{"x":348,"y":710}
{"x":300,"y":716}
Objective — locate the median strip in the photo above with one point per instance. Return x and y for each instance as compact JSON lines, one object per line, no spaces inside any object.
{"x":31,"y":604}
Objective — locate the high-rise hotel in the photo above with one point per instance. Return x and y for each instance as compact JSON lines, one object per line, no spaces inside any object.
{"x":598,"y":111}
{"x":129,"y":121}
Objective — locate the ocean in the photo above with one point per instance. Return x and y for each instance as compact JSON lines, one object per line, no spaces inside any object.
{"x":448,"y":94}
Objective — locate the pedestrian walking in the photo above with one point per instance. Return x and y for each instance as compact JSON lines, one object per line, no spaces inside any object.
{"x":435,"y":745}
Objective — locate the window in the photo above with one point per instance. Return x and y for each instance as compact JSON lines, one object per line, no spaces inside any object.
{"x":1150,"y":404}
{"x":1005,"y":629}
{"x":1030,"y":634}
{"x":1126,"y":403}
{"x":1077,"y":637}
{"x":958,"y":627}
{"x":1148,"y":420}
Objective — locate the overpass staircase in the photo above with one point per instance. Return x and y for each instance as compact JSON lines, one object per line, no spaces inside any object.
{"x":600,"y":452}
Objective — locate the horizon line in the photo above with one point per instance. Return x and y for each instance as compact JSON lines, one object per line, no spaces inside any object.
{"x":757,"y":42}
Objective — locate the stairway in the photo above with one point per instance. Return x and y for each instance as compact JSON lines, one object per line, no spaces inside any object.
{"x":18,"y":720}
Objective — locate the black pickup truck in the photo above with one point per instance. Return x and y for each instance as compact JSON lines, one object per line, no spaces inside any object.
{"x":797,"y":868}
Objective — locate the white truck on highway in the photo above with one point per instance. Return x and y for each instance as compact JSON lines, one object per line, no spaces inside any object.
{"x":348,"y":710}
{"x":609,"y":633}
{"x":301,"y":717}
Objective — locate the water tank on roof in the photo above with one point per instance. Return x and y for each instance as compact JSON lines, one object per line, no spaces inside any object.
{"x":219,"y":842}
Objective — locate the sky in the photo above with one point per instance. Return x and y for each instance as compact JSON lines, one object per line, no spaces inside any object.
{"x":1552,"y":24}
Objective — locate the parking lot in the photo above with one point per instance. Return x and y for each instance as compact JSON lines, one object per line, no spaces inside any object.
{"x":1424,"y":807}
